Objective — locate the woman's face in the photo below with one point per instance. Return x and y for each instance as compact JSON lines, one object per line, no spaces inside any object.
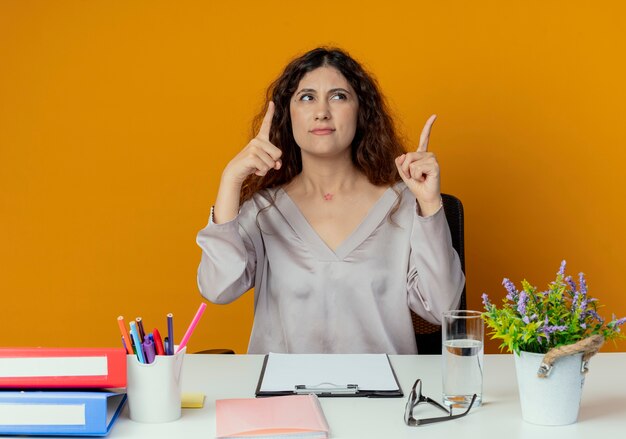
{"x":324,"y":112}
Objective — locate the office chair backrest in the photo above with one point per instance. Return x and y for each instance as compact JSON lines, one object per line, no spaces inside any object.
{"x":427,"y":335}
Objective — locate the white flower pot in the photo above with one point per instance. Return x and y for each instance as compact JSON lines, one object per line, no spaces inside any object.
{"x":554,"y":400}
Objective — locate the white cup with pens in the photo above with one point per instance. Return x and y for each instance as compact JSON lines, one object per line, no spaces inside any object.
{"x":154,"y":388}
{"x":155,"y":371}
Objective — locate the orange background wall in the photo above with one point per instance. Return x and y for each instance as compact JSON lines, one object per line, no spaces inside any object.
{"x":116,"y":119}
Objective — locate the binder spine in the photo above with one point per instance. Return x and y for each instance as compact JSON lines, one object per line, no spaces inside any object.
{"x":86,"y":413}
{"x":113,"y":374}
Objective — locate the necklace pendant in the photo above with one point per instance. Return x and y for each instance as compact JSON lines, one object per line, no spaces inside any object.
{"x":328,"y":197}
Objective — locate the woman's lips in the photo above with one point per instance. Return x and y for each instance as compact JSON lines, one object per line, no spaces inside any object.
{"x":322,"y":131}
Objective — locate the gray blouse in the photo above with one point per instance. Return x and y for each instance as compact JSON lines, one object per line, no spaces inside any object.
{"x":310,"y":299}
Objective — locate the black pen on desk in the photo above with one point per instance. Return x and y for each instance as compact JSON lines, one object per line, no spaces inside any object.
{"x":170,"y":334}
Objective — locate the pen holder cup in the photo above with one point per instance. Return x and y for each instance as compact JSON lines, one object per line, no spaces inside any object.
{"x":154,"y":389}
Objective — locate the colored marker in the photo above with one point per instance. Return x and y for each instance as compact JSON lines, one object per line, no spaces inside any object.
{"x":125,"y":338}
{"x":137,"y":341}
{"x":166,"y":344}
{"x":158,"y":343}
{"x":142,"y":333}
{"x":169,"y":350}
{"x":148,"y":347}
{"x":192,"y":326}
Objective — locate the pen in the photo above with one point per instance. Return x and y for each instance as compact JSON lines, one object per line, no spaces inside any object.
{"x":137,"y":341}
{"x":192,"y":326}
{"x":166,"y":344}
{"x":148,"y":346}
{"x":170,"y":334}
{"x":158,"y":343}
{"x":125,"y":338}
{"x":142,"y":333}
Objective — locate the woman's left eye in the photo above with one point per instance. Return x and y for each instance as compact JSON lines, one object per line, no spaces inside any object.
{"x":339,"y":96}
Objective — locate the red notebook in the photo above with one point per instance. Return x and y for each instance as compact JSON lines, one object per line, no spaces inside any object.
{"x":275,"y":417}
{"x":62,"y":367}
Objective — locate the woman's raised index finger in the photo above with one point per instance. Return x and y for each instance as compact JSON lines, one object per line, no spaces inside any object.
{"x":264,"y":132}
{"x":425,"y":136}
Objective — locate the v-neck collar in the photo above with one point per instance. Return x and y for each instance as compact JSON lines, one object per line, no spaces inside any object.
{"x":308,"y":234}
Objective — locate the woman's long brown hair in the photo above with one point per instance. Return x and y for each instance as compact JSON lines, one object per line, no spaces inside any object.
{"x":375,"y":144}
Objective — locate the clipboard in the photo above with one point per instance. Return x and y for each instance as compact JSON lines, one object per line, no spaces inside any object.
{"x":328,"y":375}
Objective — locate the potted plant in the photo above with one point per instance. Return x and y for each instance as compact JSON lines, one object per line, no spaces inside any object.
{"x":557,"y":328}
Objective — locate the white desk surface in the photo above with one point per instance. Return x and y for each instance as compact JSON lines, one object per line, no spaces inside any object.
{"x":602,"y":412}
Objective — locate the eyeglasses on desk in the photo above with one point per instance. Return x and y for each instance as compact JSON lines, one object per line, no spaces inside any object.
{"x":416,"y":397}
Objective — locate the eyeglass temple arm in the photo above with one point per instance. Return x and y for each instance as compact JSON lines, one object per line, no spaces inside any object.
{"x":447,"y":418}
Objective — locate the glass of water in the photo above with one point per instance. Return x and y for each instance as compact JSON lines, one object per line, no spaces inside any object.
{"x":462,"y":354}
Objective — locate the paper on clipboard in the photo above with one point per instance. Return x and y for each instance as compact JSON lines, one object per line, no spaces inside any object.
{"x":370,"y":372}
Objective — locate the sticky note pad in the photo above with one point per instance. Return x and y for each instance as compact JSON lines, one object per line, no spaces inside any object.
{"x":192,"y":400}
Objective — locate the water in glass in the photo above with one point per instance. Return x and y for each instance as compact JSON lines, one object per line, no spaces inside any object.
{"x":462,"y":372}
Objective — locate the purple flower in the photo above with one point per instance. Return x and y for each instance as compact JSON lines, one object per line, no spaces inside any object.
{"x":616,"y":323}
{"x":526,"y":320}
{"x":551,"y":329}
{"x":571,"y":283}
{"x":575,"y":301}
{"x":583,"y":284}
{"x":521,"y":303}
{"x":592,"y":313}
{"x":486,"y":302}
{"x":510,"y":287}
{"x":561,"y":269}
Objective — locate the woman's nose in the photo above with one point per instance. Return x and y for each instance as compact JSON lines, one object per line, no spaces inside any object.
{"x":322,"y":111}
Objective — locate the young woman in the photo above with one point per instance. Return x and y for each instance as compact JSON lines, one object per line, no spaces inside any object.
{"x":339,"y":230}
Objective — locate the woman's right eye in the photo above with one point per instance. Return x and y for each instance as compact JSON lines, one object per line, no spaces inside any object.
{"x":306,"y":97}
